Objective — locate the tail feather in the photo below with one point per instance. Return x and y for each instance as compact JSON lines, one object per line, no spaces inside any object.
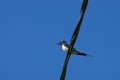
{"x":84,"y":54}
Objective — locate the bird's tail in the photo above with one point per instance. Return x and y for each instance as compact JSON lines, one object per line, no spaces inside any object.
{"x":84,"y":54}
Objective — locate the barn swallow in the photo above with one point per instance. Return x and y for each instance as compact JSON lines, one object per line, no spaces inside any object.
{"x":65,"y":47}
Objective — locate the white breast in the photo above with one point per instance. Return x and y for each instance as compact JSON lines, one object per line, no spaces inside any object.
{"x":64,"y":48}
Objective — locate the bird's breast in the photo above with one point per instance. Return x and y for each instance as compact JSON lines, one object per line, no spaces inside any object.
{"x":64,"y":48}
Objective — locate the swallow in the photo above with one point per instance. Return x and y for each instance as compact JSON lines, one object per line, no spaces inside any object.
{"x":65,"y":47}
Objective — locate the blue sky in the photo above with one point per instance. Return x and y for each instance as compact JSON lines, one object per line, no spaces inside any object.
{"x":30,"y":29}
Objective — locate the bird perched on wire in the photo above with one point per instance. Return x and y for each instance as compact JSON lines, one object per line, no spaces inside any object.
{"x":65,"y":47}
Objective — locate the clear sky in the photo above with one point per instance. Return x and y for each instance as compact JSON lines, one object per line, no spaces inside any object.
{"x":30,"y":29}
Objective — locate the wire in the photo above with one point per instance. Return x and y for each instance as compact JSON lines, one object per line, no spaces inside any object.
{"x":73,"y":39}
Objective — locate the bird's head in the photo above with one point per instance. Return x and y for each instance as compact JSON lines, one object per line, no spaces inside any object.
{"x":61,"y":42}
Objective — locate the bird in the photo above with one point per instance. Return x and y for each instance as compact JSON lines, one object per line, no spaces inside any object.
{"x":65,"y":47}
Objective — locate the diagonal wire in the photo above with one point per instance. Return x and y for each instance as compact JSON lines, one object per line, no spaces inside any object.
{"x":73,"y":39}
